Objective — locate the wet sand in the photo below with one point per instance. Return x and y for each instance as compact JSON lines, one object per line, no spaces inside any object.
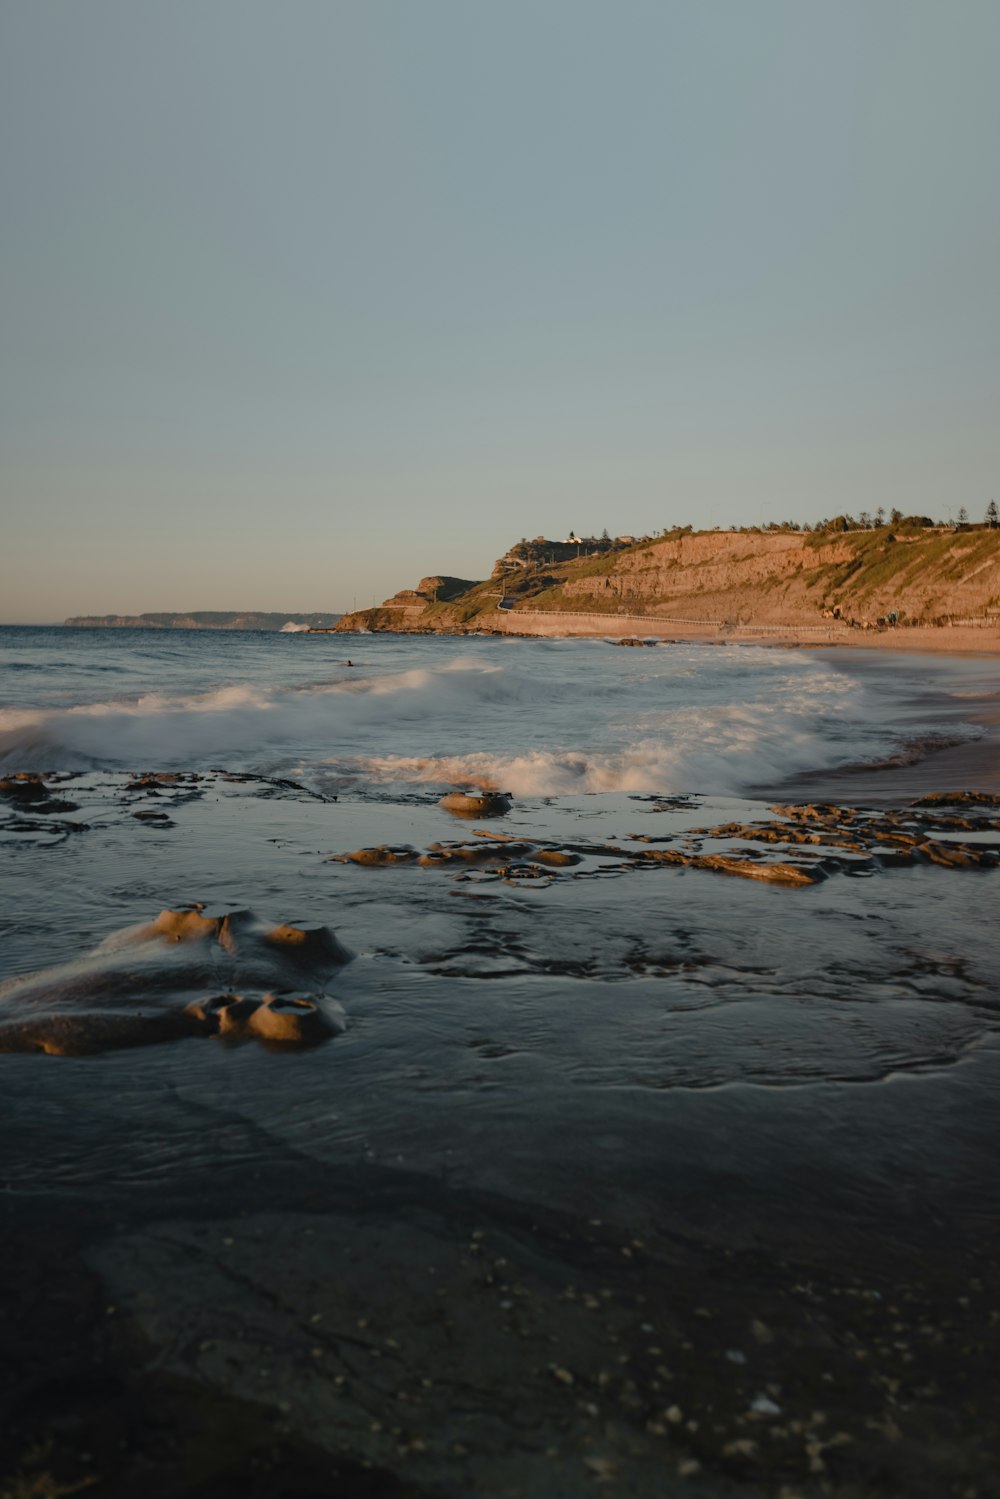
{"x":954,"y":693}
{"x":626,"y":1177}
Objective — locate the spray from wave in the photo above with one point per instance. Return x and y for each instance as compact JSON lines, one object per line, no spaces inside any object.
{"x":721,"y":749}
{"x":241,"y":722}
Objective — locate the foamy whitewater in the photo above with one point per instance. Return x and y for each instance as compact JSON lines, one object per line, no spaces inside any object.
{"x":552,"y":718}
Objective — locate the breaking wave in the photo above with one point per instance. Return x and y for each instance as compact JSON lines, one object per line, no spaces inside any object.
{"x":720,"y":749}
{"x":242,"y":721}
{"x":548,"y":722}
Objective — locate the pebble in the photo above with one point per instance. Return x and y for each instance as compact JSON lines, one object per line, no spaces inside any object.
{"x":601,"y":1467}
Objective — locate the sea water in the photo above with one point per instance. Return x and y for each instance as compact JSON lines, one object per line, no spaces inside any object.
{"x":356,"y":738}
{"x":607,"y":997}
{"x":365,"y":716}
{"x":726,"y":1108}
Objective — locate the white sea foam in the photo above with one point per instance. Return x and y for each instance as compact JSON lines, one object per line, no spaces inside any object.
{"x":240,"y":720}
{"x":721,"y":750}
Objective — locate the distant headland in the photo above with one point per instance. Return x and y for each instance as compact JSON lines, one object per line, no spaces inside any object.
{"x":206,"y":619}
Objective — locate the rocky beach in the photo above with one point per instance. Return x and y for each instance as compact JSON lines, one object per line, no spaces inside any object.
{"x":500,"y":751}
{"x":506,"y":1067}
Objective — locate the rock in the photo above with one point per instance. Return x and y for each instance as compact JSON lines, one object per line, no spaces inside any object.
{"x":28,"y":791}
{"x":291,"y":1019}
{"x":833,"y":840}
{"x":381,"y":856}
{"x":71,"y":1035}
{"x":24,"y":787}
{"x":952,"y":856}
{"x":151,"y":780}
{"x":517,"y":874}
{"x":958,"y":799}
{"x":197,"y":922}
{"x":476,"y":804}
{"x":751,"y":869}
{"x":307,"y":942}
{"x":224,"y":1014}
{"x":169,"y":979}
{"x":488,"y":854}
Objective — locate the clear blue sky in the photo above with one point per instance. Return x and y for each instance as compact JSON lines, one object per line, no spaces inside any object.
{"x":302,"y":300}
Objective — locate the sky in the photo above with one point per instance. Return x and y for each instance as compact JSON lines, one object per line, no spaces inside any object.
{"x":302,"y":301}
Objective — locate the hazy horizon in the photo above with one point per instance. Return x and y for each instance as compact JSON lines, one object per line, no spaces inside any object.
{"x":303,"y":303}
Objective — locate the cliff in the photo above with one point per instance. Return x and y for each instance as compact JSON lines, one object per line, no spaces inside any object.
{"x":203,"y":619}
{"x":920,"y":573}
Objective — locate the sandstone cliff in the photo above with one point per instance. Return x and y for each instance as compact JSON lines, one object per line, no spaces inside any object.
{"x":921,"y":574}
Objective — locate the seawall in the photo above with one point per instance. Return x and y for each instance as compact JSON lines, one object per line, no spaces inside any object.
{"x":552,"y":624}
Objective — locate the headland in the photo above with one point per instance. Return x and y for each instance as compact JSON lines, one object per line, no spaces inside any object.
{"x":910,"y":585}
{"x":204,"y":619}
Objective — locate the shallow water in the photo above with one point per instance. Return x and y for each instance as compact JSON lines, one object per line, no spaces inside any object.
{"x":576,"y":993}
{"x":596,"y":994}
{"x":684,"y":1058}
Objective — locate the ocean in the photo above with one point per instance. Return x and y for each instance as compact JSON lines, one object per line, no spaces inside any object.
{"x":611,"y":1163}
{"x":363,"y":714}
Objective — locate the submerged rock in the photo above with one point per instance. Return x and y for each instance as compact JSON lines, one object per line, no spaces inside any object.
{"x":195,"y":970}
{"x":289,"y":1019}
{"x":752,"y":869}
{"x":23,"y":787}
{"x":89,"y":1034}
{"x":223,"y":1014}
{"x":380,"y":856}
{"x":555,"y":858}
{"x":307,"y":942}
{"x":294,"y":1019}
{"x":486,"y":853}
{"x":26,"y":790}
{"x":805,"y":845}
